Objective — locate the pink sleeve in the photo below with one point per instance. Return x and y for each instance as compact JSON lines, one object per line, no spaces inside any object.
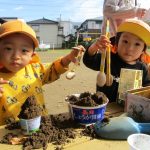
{"x":124,"y":14}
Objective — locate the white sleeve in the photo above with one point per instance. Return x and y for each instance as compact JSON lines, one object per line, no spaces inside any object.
{"x":110,"y":6}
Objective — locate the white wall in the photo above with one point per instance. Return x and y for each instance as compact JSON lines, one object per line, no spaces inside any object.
{"x":48,"y":34}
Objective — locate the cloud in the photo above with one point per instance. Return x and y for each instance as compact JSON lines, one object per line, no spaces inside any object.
{"x":80,"y":10}
{"x":18,"y":8}
{"x":144,"y":4}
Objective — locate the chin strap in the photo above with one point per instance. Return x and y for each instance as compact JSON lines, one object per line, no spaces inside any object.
{"x":145,"y":58}
{"x":35,"y":59}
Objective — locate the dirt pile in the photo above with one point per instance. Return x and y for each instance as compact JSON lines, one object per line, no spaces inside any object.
{"x":87,"y":99}
{"x":58,"y":129}
{"x":54,"y":129}
{"x":30,"y":109}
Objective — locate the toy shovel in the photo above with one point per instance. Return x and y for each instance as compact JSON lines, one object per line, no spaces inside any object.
{"x":120,"y":128}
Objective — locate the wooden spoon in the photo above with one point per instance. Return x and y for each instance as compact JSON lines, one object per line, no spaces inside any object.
{"x":101,"y":77}
{"x":109,"y":77}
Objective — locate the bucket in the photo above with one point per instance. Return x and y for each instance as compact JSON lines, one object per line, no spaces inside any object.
{"x":139,"y":141}
{"x":87,"y":115}
{"x":30,"y":125}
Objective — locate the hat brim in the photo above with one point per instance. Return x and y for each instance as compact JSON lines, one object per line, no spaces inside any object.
{"x":138,"y":28}
{"x":35,"y":41}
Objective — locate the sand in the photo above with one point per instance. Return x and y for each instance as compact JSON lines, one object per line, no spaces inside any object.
{"x":56,"y":92}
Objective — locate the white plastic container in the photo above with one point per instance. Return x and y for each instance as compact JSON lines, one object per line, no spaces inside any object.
{"x":87,"y":115}
{"x":30,"y":125}
{"x":139,"y":141}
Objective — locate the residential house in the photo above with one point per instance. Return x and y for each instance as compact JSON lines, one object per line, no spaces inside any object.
{"x":8,"y":18}
{"x":4,"y":19}
{"x":69,"y":28}
{"x":53,"y":33}
{"x":48,"y":32}
{"x":91,"y":28}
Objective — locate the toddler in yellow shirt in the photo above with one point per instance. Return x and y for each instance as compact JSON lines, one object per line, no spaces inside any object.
{"x":21,"y":74}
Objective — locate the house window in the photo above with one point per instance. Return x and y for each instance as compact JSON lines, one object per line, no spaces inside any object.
{"x":36,"y":28}
{"x":93,"y":25}
{"x":97,"y":22}
{"x":75,"y":27}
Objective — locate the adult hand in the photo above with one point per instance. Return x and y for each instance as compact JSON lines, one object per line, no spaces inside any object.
{"x":140,"y":12}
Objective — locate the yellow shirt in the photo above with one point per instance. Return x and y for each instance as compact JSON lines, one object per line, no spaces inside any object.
{"x":26,"y":82}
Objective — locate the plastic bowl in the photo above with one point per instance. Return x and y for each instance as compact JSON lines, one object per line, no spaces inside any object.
{"x":139,"y":141}
{"x":87,"y":115}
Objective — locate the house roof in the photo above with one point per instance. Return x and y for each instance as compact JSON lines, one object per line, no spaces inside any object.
{"x":9,"y":18}
{"x":2,"y":21}
{"x":95,"y":19}
{"x":92,"y":19}
{"x":5,"y":19}
{"x":42,"y":21}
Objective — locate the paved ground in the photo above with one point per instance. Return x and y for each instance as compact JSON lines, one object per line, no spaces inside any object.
{"x":56,"y":92}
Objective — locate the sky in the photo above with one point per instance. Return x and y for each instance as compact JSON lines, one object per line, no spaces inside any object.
{"x":73,"y":10}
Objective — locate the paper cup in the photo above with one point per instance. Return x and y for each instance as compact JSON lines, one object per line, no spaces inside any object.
{"x":30,"y":125}
{"x":139,"y":141}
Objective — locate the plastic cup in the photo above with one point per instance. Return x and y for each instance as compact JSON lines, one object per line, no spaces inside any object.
{"x":29,"y":126}
{"x":139,"y":141}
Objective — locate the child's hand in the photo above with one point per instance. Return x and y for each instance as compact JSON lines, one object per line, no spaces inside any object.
{"x":76,"y":52}
{"x":101,"y":44}
{"x":71,"y":57}
{"x":2,"y":81}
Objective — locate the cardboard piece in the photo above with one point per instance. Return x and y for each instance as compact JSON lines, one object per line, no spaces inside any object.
{"x":129,"y":79}
{"x":138,"y":104}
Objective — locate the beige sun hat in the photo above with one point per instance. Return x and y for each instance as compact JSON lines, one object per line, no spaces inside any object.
{"x":136,"y":27}
{"x":18,"y":26}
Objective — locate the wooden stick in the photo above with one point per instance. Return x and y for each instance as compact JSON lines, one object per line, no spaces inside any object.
{"x":108,"y":69}
{"x":102,"y":65}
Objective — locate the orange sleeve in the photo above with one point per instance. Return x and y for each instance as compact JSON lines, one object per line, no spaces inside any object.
{"x":146,"y":58}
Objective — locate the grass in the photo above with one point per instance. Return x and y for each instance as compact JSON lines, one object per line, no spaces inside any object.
{"x":60,"y":51}
{"x":52,"y":54}
{"x":63,"y":51}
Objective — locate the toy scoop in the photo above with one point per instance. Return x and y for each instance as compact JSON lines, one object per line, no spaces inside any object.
{"x":71,"y":74}
{"x":120,"y":128}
